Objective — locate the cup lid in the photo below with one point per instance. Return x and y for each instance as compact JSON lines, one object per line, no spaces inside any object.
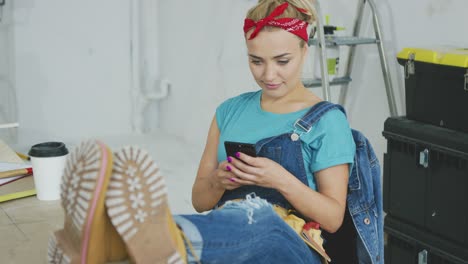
{"x":48,"y":149}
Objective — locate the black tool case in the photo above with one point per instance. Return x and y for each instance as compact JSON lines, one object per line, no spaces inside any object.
{"x":436,"y":86}
{"x":425,"y":181}
{"x":406,"y":244}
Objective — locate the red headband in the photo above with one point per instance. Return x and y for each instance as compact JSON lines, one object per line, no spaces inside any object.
{"x":296,"y":26}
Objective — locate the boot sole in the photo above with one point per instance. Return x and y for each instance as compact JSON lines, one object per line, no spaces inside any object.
{"x":55,"y":254}
{"x":86,"y":173}
{"x":138,"y":207}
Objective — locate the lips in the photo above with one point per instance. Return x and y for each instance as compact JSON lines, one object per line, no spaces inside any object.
{"x":272,"y":85}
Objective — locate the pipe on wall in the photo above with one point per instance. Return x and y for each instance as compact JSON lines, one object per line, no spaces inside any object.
{"x":147,"y":86}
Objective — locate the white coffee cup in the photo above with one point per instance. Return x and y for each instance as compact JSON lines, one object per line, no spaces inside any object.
{"x":48,"y":163}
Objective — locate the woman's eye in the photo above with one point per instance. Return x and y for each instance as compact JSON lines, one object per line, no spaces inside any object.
{"x":283,"y":62}
{"x":256,"y":62}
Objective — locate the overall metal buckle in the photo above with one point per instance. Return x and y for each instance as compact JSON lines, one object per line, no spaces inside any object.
{"x":296,"y":135}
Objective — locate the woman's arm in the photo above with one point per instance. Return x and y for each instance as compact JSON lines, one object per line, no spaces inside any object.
{"x":325,"y":206}
{"x":212,"y":178}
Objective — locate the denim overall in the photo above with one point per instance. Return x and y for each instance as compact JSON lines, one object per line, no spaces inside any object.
{"x":360,"y":239}
{"x":283,"y":150}
{"x":237,"y":232}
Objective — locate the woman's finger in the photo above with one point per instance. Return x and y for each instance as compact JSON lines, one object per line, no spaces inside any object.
{"x":240,"y":165}
{"x":244,"y":182}
{"x":252,"y":161}
{"x":241,"y":174}
{"x":230,"y":183}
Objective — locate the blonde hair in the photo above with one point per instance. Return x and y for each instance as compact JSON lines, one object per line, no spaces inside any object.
{"x":265,"y":7}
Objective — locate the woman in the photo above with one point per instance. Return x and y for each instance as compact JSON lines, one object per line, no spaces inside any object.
{"x":276,"y":57}
{"x":305,"y":170}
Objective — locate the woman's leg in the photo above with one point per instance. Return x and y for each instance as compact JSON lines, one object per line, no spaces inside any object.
{"x":248,"y":231}
{"x":241,"y":232}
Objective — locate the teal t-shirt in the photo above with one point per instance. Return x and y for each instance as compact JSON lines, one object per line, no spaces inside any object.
{"x":329,"y":142}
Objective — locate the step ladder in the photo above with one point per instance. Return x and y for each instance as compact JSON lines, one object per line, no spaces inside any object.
{"x":352,"y":42}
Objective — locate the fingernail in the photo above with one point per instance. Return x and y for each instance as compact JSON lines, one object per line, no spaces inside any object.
{"x":232,"y":179}
{"x":229,"y":159}
{"x":238,"y":154}
{"x":228,"y":168}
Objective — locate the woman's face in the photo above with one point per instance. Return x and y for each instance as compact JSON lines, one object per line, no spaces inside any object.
{"x":276,"y":59}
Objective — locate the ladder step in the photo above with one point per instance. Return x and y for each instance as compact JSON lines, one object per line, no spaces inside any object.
{"x":9,"y":125}
{"x":342,"y":41}
{"x":311,"y":83}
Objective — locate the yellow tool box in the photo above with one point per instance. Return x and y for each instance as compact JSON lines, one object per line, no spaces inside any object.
{"x":436,"y":86}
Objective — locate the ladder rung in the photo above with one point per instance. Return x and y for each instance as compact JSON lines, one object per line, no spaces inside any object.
{"x":310,"y":83}
{"x":9,"y":125}
{"x":341,"y":41}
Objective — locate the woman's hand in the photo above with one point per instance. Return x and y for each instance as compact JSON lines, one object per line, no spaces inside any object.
{"x":258,"y":171}
{"x":224,"y":178}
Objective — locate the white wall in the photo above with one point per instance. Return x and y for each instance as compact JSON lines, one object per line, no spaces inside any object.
{"x":72,"y":67}
{"x":72,"y":62}
{"x":203,"y":54}
{"x":7,"y":91}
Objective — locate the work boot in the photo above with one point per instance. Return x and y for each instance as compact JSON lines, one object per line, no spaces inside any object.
{"x":138,"y":207}
{"x":88,"y":236}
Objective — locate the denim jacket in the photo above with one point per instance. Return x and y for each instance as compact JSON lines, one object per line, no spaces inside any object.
{"x":365,"y":202}
{"x":364,"y":198}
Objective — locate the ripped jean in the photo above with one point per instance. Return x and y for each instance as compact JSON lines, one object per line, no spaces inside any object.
{"x":247,"y":231}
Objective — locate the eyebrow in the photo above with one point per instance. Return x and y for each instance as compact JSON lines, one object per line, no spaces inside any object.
{"x":275,"y":57}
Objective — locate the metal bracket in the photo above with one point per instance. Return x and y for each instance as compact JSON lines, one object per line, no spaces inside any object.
{"x":410,"y":69}
{"x":422,"y":257}
{"x":466,"y":81}
{"x":424,"y":158}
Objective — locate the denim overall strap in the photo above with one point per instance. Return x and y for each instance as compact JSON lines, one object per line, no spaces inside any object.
{"x":315,"y":113}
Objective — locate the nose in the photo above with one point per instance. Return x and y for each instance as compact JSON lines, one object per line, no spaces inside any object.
{"x":269,"y":73}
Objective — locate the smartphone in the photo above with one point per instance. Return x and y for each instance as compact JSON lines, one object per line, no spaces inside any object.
{"x":233,"y":147}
